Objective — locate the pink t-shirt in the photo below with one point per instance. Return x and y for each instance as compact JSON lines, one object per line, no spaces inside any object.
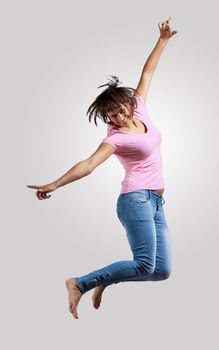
{"x":139,"y":154}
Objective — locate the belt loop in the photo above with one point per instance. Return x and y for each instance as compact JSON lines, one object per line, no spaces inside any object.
{"x":160,"y":201}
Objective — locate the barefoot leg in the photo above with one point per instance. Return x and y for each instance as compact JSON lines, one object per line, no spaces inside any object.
{"x":97,"y":295}
{"x":74,"y":296}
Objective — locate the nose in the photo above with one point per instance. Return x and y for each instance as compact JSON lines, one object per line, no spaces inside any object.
{"x":121,"y":116}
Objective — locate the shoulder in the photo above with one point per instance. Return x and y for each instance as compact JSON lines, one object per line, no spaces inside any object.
{"x":139,"y":98}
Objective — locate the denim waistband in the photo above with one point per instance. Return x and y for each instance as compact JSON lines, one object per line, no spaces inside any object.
{"x":151,"y":193}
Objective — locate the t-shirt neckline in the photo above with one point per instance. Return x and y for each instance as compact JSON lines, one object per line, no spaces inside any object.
{"x":135,"y":133}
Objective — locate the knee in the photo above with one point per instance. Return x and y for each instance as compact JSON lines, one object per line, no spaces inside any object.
{"x":149,"y":269}
{"x":165,"y":274}
{"x":146,"y":269}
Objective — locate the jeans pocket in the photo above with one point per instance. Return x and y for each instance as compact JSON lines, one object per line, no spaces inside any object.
{"x":139,"y":198}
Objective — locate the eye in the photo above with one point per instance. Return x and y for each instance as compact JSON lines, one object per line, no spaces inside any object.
{"x":121,"y":110}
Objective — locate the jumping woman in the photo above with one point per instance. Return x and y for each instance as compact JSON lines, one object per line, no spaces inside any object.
{"x":134,"y":139}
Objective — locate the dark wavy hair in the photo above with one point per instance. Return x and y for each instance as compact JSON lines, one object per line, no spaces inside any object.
{"x":110,"y":98}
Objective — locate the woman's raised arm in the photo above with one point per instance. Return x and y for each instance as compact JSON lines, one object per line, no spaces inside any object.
{"x":148,"y":70}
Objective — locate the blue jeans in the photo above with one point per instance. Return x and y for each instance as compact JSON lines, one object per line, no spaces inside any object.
{"x":141,"y":214}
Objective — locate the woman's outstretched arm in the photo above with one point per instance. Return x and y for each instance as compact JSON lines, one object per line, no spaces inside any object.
{"x":78,"y":171}
{"x":150,"y":65}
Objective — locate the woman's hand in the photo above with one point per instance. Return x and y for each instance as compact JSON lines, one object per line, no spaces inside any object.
{"x":43,"y":190}
{"x":165,"y":30}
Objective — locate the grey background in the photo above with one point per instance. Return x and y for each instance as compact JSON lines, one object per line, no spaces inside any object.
{"x":54,"y":54}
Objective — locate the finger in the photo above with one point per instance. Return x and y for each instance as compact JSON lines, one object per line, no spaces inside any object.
{"x":162,"y":23}
{"x":44,"y":195}
{"x":33,"y":186}
{"x":166,"y":23}
{"x":43,"y":192}
{"x":39,"y":195}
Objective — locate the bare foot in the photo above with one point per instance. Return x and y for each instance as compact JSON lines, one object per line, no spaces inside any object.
{"x":97,"y":295}
{"x":74,"y":295}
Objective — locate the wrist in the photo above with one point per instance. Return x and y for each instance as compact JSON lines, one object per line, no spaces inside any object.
{"x":55,"y":184}
{"x":165,"y":40}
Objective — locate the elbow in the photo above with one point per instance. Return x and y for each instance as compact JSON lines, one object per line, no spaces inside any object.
{"x":88,"y":167}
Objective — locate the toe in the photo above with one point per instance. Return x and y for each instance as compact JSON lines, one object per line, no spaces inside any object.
{"x":70,"y":309}
{"x":74,"y":311}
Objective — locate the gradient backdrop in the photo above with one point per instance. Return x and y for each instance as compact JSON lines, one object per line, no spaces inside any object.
{"x":54,"y":54}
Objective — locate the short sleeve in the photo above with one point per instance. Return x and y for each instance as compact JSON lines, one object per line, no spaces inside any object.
{"x":114,"y":140}
{"x":140,"y":99}
{"x":141,"y":109}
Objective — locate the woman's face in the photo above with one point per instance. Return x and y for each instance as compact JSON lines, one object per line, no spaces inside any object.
{"x":120,"y":115}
